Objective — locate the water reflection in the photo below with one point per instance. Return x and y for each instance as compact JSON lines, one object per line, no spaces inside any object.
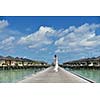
{"x":93,"y":74}
{"x":12,"y":76}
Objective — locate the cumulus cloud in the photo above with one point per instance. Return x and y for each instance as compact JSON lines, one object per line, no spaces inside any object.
{"x":7,"y":43}
{"x":72,"y":39}
{"x":78,"y":38}
{"x":39,"y":38}
{"x":3,"y":24}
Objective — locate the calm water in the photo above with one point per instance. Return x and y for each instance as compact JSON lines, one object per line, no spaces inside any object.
{"x":93,"y":74}
{"x":12,"y":76}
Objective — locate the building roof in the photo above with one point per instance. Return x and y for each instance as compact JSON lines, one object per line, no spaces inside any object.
{"x":14,"y":59}
{"x":19,"y":59}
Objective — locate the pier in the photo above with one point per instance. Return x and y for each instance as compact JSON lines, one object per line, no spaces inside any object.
{"x":50,"y":76}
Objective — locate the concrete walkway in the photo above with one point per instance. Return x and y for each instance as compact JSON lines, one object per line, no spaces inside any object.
{"x":50,"y":76}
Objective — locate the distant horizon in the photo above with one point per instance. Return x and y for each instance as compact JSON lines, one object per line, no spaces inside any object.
{"x":41,"y":37}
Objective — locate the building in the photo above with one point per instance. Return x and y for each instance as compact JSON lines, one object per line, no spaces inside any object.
{"x":11,"y":61}
{"x":86,"y":62}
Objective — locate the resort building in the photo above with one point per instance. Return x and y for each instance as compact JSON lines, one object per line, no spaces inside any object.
{"x":88,"y":62}
{"x":11,"y":61}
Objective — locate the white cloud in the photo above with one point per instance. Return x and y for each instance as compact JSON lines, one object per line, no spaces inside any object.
{"x":7,"y":43}
{"x":3,"y":24}
{"x":72,"y":39}
{"x":39,"y":38}
{"x":6,"y":32}
{"x":8,"y":40}
{"x":43,"y":49}
{"x":80,"y":38}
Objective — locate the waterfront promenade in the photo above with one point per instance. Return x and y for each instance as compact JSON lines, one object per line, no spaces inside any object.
{"x":50,"y":76}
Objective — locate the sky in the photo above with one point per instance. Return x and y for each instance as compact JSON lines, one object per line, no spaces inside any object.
{"x":41,"y":37}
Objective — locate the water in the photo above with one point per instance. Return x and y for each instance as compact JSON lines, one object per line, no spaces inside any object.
{"x":12,"y":76}
{"x":93,"y":74}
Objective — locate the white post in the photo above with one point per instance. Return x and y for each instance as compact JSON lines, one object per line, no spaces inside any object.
{"x":56,"y":64}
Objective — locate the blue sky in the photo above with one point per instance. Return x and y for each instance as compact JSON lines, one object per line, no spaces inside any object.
{"x":40,"y":37}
